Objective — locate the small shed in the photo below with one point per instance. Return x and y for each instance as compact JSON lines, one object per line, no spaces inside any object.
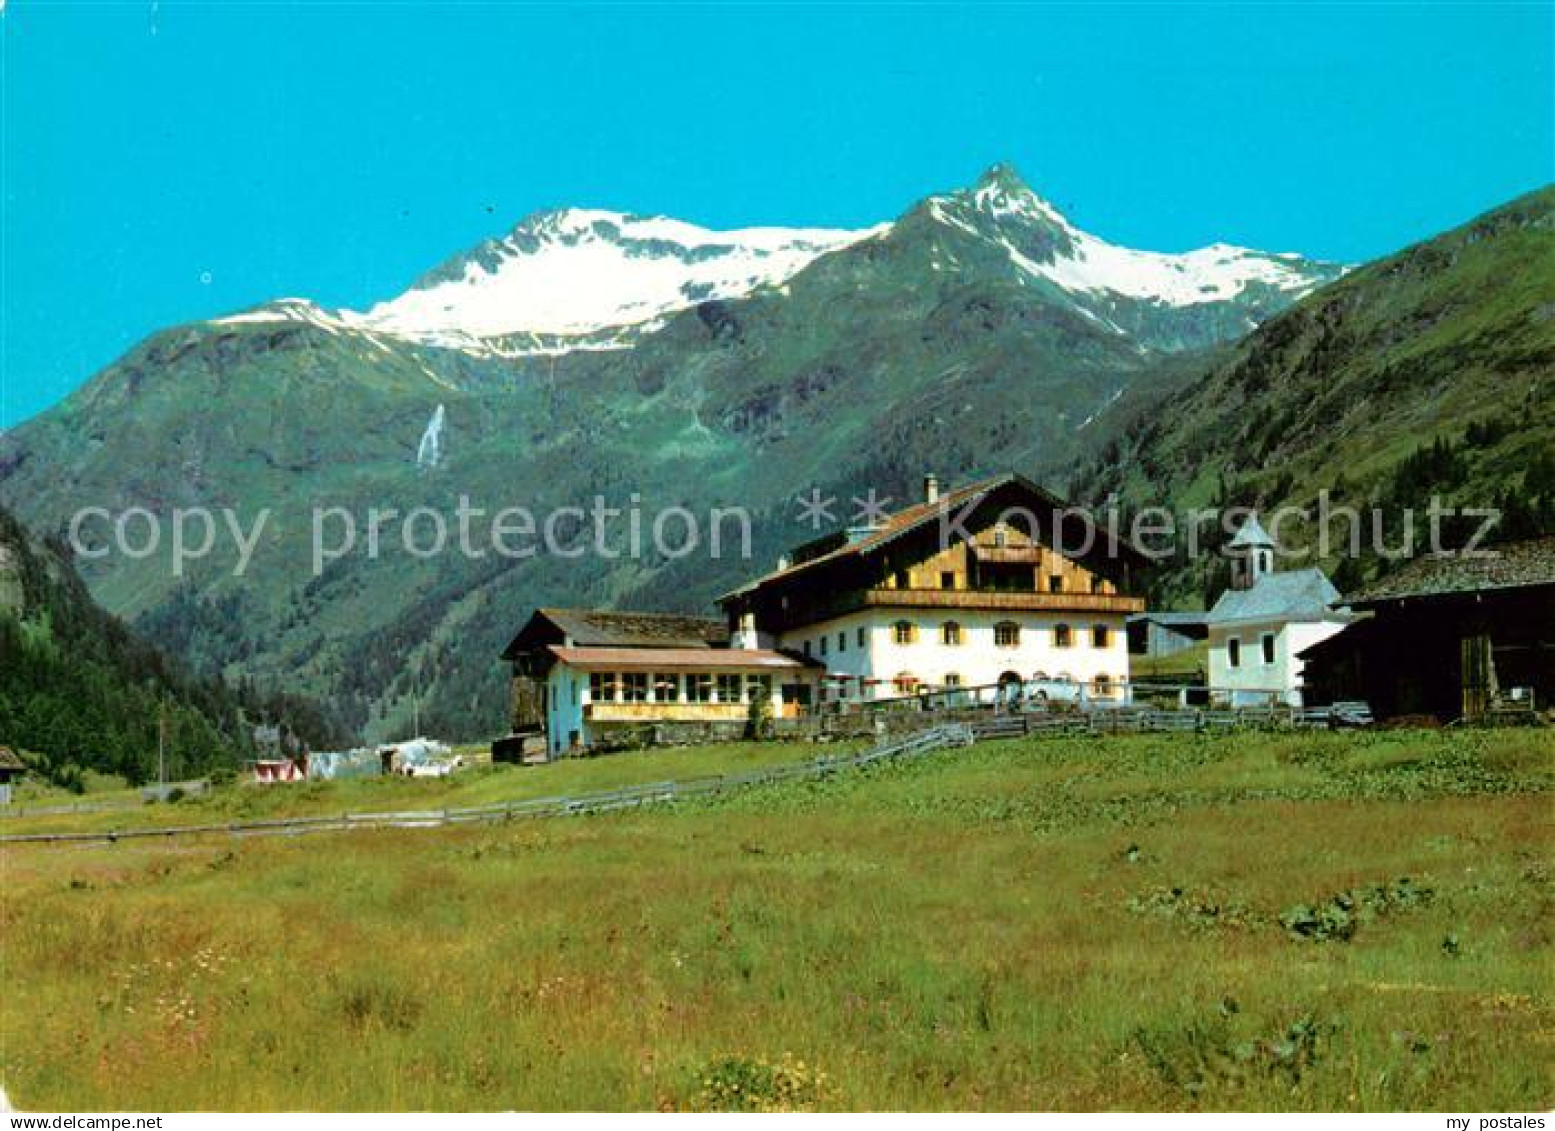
{"x":1166,"y":633}
{"x":11,"y":768}
{"x":272,"y":771}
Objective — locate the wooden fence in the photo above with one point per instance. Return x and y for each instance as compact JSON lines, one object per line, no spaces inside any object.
{"x":155,"y":792}
{"x":68,"y":808}
{"x":1135,"y":720}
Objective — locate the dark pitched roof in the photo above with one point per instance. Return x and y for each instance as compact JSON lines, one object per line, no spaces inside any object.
{"x":9,"y":760}
{"x":1299,"y":594}
{"x":613,"y":628}
{"x":616,"y":628}
{"x":1515,"y":565}
{"x":910,"y":519}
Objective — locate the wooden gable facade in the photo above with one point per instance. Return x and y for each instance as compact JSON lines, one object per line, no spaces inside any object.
{"x":997,"y":544}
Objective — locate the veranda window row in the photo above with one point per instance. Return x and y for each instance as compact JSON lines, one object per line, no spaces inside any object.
{"x":669,"y":687}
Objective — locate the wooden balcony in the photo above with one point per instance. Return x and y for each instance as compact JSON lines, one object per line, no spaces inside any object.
{"x":1010,"y":555}
{"x":1000,"y":600}
{"x":826,"y":606}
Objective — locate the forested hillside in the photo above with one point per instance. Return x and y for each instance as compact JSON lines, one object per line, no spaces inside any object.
{"x":79,"y":690}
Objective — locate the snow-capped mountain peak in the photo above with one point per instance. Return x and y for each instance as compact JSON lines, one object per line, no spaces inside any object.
{"x":581,"y":271}
{"x":1041,"y":243}
{"x":576,"y":278}
{"x":1002,"y":191}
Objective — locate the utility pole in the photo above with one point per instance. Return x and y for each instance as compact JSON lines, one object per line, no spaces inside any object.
{"x":162,"y":742}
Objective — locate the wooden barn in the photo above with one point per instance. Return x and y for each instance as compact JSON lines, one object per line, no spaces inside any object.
{"x":1450,"y":636}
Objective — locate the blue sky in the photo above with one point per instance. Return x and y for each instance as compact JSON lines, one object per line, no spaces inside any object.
{"x":165,"y":162}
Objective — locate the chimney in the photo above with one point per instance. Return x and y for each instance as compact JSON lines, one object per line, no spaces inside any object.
{"x":931,"y":488}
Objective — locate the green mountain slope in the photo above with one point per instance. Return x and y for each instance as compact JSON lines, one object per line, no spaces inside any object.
{"x":1430,"y":372}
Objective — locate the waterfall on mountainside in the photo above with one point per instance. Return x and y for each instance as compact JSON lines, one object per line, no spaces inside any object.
{"x":429,"y":453}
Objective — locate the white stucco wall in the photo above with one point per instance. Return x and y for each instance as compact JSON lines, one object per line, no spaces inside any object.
{"x":977,"y":659}
{"x":1253,"y":681}
{"x":1302,"y":635}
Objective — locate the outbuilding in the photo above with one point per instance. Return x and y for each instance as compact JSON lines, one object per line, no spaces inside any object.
{"x":1160,"y":633}
{"x":11,"y":768}
{"x":1449,"y":635}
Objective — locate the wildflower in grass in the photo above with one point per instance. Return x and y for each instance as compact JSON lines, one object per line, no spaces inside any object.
{"x":743,"y":1084}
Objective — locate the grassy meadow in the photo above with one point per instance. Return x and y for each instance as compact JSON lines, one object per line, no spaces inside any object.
{"x":1289,"y":921}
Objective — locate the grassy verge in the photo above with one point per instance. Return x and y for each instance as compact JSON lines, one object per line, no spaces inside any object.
{"x":1244,"y":921}
{"x":481,"y":785}
{"x":1191,"y":663}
